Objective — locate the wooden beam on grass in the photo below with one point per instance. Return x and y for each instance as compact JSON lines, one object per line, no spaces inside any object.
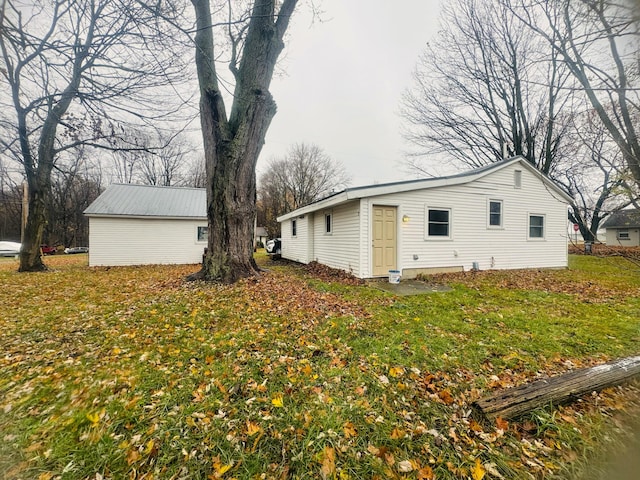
{"x":513,"y":402}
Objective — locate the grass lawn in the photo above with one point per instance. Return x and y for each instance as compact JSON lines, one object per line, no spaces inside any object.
{"x":109,"y":373}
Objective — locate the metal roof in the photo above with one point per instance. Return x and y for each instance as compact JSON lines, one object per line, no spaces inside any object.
{"x":150,"y":201}
{"x":623,"y":219}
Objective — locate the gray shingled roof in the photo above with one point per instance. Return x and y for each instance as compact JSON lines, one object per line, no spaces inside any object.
{"x":623,"y":219}
{"x":150,"y":201}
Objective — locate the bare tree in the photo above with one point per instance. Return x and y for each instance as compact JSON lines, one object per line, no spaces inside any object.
{"x":124,"y":166}
{"x":303,"y":176}
{"x":311,"y":174}
{"x":75,"y":182}
{"x":10,"y":204}
{"x":76,"y":71}
{"x":593,"y":174}
{"x":233,"y":141}
{"x":598,"y":41}
{"x":158,"y":159}
{"x":196,"y":175}
{"x":486,"y":89}
{"x":165,"y":166}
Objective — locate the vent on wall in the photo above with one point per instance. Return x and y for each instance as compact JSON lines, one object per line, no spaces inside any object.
{"x":517,"y":179}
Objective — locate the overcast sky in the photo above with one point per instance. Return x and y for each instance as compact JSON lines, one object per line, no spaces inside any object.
{"x":342,"y":79}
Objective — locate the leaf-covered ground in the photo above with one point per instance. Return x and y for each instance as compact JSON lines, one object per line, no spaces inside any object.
{"x":110,"y":373}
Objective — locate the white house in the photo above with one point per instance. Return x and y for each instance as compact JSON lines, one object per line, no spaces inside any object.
{"x":623,"y":228}
{"x":140,"y":224}
{"x":503,"y":216}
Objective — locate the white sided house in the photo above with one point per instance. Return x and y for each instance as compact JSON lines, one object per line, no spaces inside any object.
{"x":141,"y":224}
{"x":623,"y":228}
{"x":506,"y":215}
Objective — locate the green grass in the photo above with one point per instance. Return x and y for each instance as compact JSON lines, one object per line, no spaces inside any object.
{"x":132,"y":373}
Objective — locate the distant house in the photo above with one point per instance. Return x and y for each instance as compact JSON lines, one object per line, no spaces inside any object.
{"x":260,"y":235}
{"x":503,"y":216}
{"x":623,"y":228}
{"x":139,"y":224}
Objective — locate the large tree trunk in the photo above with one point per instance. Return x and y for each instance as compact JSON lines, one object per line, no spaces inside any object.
{"x":232,"y":145}
{"x":30,"y":256}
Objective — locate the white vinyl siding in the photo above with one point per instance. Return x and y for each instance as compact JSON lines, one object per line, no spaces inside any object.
{"x":312,"y":243}
{"x":631,"y":239}
{"x":340,"y":249}
{"x":500,"y":248}
{"x":504,"y":247}
{"x":143,"y":241}
{"x":295,"y":247}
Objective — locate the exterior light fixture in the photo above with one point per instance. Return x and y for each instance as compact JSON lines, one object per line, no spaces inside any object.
{"x":405,"y":219}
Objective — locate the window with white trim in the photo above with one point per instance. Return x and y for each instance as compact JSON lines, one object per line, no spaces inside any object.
{"x":536,"y":226}
{"x":495,"y":214}
{"x":328,"y":223}
{"x":623,"y":235}
{"x":202,"y":234}
{"x":294,"y":228}
{"x":438,"y":223}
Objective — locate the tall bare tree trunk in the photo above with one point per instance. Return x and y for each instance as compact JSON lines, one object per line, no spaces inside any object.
{"x":30,"y":257}
{"x":232,"y":144}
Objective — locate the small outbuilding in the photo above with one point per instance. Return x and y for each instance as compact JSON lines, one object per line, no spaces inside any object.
{"x":505,"y":215}
{"x":260,"y":236}
{"x":141,"y":224}
{"x":623,"y":228}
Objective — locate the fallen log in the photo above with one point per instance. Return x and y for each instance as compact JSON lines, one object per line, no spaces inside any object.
{"x":513,"y":402}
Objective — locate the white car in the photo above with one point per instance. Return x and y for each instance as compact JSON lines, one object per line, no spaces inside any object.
{"x":76,"y":250}
{"x":9,"y":249}
{"x":274,"y":247}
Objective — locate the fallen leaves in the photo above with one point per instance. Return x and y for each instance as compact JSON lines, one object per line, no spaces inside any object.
{"x":278,"y":376}
{"x":478,"y":472}
{"x":585,"y":290}
{"x":328,"y":459}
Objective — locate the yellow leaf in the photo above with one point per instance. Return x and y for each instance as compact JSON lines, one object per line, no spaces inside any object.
{"x":426,"y":473}
{"x":93,"y":417}
{"x":397,"y":433}
{"x":220,"y":469}
{"x":45,"y":476}
{"x":478,"y":471}
{"x":149,"y":447}
{"x":396,"y":371}
{"x":328,"y":463}
{"x":475,"y":426}
{"x":252,"y":428}
{"x":278,"y":401}
{"x":349,"y":430}
{"x":132,"y":456}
